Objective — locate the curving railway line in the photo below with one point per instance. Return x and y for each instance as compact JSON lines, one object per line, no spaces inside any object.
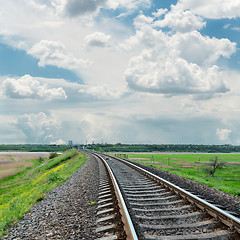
{"x":136,"y":204}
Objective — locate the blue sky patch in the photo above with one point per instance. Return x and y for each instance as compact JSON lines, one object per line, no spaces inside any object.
{"x":14,"y":62}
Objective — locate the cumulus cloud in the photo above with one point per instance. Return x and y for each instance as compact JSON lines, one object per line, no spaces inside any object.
{"x":181,"y":20}
{"x":149,"y":72}
{"x":192,"y":46}
{"x":75,"y":8}
{"x":176,"y":63}
{"x":28,"y":87}
{"x":97,"y":39}
{"x":54,"y":53}
{"x":202,"y":50}
{"x":160,"y":12}
{"x":45,"y":5}
{"x":142,"y":20}
{"x":102,"y":92}
{"x":37,"y":128}
{"x":146,"y":37}
{"x":213,"y":9}
{"x":223,"y":133}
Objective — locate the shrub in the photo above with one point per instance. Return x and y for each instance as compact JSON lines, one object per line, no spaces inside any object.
{"x":52,"y":155}
{"x":213,"y":166}
{"x":53,"y":177}
{"x":40,"y":198}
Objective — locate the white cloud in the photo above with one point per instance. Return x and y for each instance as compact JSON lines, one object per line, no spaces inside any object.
{"x":181,"y":20}
{"x":146,"y":37}
{"x":223,"y":134}
{"x":58,"y":142}
{"x":55,"y":6}
{"x":150,"y":72}
{"x":141,"y":20}
{"x":97,"y":39}
{"x":237,"y":29}
{"x":160,"y":12}
{"x":54,"y":53}
{"x":213,"y":9}
{"x":96,"y":127}
{"x":226,"y":26}
{"x":83,"y":8}
{"x":37,"y":128}
{"x":180,"y":63}
{"x":202,"y":50}
{"x":129,"y":4}
{"x":28,"y":87}
{"x":192,"y":46}
{"x":103,"y":92}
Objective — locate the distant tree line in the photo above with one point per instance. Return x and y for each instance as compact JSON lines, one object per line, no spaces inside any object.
{"x":33,"y":147}
{"x":162,"y":148}
{"x":119,"y":147}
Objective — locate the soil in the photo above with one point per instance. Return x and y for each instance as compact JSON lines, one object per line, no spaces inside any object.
{"x":12,"y":163}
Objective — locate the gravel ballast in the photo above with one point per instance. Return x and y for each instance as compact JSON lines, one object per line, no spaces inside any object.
{"x":225,"y":201}
{"x":66,"y":212}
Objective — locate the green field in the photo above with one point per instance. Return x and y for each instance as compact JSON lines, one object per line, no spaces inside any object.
{"x":19,"y":192}
{"x":192,"y":167}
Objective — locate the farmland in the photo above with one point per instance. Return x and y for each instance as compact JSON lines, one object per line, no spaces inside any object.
{"x":192,"y":166}
{"x":14,"y":162}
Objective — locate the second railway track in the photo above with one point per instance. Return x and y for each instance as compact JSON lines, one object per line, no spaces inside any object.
{"x":161,"y":210}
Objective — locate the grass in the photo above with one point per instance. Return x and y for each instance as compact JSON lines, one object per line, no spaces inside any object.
{"x":19,"y":192}
{"x":192,"y":166}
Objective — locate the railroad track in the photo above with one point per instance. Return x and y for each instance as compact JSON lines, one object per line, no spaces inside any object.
{"x":141,"y":205}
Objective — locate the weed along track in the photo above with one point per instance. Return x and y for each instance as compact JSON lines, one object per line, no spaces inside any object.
{"x":156,"y":208}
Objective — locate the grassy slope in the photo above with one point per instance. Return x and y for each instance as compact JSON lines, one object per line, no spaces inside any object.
{"x":19,"y":192}
{"x":226,"y":179}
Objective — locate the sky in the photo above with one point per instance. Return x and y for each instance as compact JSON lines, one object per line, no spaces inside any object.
{"x":129,"y":71}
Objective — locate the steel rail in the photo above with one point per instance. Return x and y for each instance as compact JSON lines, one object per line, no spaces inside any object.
{"x":226,"y":218}
{"x":126,"y":219}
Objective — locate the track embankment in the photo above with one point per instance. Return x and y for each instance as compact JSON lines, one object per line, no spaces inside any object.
{"x":86,"y":207}
{"x":67,"y":212}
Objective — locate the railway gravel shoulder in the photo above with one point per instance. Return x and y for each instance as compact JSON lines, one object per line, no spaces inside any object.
{"x":211,"y":223}
{"x":223,"y":200}
{"x":65,"y":213}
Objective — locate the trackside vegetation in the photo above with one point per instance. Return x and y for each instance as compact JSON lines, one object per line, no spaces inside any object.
{"x":19,"y":192}
{"x":33,"y":147}
{"x":197,"y":167}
